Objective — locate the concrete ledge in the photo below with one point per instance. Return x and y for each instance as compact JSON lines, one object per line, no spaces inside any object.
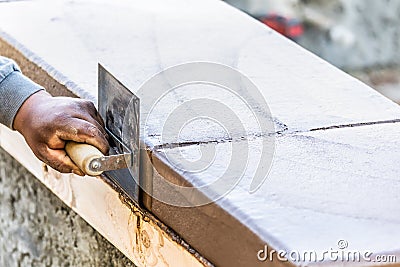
{"x":334,"y":175}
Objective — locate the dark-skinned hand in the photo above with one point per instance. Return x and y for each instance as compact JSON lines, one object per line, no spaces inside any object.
{"x":47,"y":123}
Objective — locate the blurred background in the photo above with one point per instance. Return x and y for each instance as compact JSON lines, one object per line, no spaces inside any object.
{"x":362,"y":37}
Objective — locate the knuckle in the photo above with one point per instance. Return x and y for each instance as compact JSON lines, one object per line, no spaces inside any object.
{"x":60,"y":166}
{"x":90,"y":131}
{"x":87,"y":104}
{"x":61,"y":117}
{"x":41,"y":153}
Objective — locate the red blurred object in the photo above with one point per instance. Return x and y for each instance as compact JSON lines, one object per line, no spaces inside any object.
{"x":291,"y":28}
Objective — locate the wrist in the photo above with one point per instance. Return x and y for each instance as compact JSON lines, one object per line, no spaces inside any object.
{"x":26,"y":112}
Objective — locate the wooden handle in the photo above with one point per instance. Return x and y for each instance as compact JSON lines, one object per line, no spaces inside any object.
{"x":82,"y":155}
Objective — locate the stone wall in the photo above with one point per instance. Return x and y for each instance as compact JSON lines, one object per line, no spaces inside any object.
{"x":37,"y":229}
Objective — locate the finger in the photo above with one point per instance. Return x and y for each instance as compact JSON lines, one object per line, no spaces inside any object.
{"x":87,"y":111}
{"x":92,"y":111}
{"x":55,"y":142}
{"x":60,"y":161}
{"x":89,"y":118}
{"x":82,"y":131}
{"x":100,"y":119}
{"x":95,"y":114}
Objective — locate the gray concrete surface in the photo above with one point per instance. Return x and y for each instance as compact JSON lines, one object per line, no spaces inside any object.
{"x":37,"y":229}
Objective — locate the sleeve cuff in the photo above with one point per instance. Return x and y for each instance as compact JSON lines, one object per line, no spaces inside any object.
{"x":15,"y":89}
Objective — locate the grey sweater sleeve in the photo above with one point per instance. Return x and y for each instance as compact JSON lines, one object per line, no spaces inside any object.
{"x":15,"y":88}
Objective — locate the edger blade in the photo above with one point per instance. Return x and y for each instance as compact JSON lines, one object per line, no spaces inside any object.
{"x":115,"y":103}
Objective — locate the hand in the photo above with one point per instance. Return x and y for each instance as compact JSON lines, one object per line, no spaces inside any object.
{"x":47,"y":123}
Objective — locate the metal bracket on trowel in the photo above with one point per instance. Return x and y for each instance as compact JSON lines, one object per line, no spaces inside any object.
{"x":119,"y":108}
